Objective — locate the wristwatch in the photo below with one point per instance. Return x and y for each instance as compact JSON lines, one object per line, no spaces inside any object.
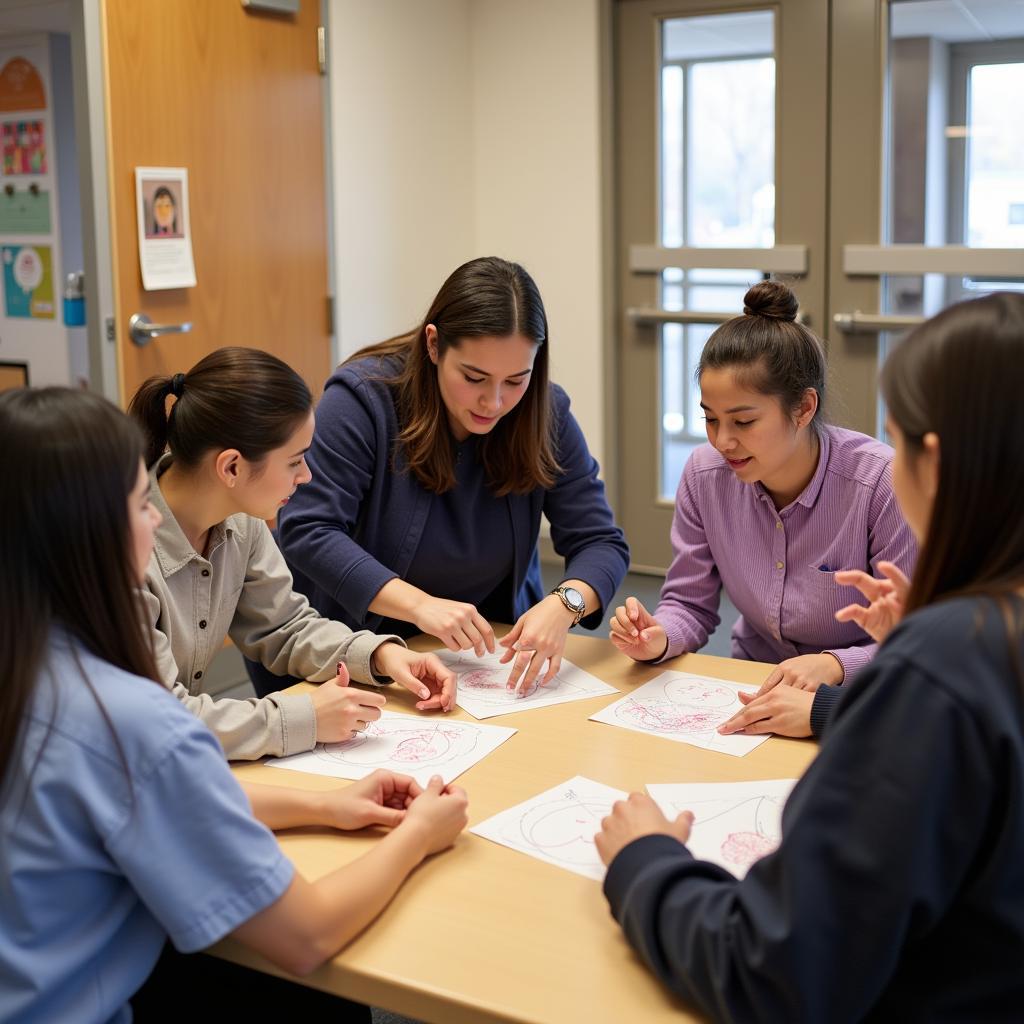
{"x":573,"y":600}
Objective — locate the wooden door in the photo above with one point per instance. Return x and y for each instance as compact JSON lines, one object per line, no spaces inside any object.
{"x":234,"y":97}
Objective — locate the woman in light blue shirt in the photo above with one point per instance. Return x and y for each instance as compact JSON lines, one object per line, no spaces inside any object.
{"x":120,"y":823}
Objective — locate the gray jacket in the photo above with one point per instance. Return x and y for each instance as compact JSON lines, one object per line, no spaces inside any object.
{"x":243,"y":589}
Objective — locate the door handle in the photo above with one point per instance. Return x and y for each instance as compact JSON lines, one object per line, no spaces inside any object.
{"x":873,"y":323}
{"x":142,"y":330}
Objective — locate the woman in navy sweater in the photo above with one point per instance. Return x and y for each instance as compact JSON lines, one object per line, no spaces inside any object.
{"x":434,"y":456}
{"x":896,"y":893}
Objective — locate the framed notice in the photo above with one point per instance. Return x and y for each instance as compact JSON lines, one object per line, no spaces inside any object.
{"x":165,"y":237}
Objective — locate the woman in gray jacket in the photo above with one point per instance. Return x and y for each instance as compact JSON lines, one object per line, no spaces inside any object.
{"x":227,"y":457}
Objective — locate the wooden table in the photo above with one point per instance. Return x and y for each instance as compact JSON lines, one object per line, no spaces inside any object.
{"x":484,"y":933}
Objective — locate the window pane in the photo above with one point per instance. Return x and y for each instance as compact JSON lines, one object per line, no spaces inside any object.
{"x":717,"y":189}
{"x":995,"y":155}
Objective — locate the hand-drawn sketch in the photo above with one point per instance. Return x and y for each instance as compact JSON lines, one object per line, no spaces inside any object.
{"x":685,"y":708}
{"x":484,"y":694}
{"x":557,"y":826}
{"x":416,"y":746}
{"x":735,"y":823}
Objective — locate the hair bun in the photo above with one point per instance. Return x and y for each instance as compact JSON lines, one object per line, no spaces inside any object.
{"x":772,"y":299}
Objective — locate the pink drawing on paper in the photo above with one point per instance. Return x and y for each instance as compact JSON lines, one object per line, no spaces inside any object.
{"x":385,"y":743}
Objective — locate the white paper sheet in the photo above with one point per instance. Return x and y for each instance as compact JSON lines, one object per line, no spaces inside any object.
{"x":685,"y":708}
{"x":420,"y":746}
{"x":735,"y":823}
{"x":482,"y":690}
{"x":557,"y":826}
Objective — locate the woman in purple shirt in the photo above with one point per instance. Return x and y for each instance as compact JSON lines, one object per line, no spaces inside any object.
{"x":771,"y":509}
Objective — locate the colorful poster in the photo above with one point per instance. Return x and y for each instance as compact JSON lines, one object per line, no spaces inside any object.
{"x":24,"y":147}
{"x":28,"y":282}
{"x":165,"y":237}
{"x":25,"y":212}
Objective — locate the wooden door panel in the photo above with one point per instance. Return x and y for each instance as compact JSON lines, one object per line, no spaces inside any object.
{"x":236,"y":98}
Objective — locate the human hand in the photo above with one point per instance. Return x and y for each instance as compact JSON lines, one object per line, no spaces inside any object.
{"x":341,"y":711}
{"x":458,"y":625}
{"x":538,"y":636}
{"x":636,"y":632}
{"x":439,"y":814}
{"x":783,"y":710}
{"x":887,"y":599}
{"x":380,"y":799}
{"x":806,"y":672}
{"x":422,"y":674}
{"x":634,"y":817}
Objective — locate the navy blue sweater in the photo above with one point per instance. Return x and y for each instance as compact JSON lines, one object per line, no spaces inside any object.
{"x":897,"y":893}
{"x":360,"y":521}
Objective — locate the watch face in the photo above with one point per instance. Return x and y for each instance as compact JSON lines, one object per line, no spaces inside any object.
{"x":575,"y":598}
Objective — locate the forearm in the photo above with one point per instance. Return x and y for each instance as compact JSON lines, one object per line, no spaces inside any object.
{"x":279,"y":807}
{"x":398,"y":600}
{"x":311,"y":922}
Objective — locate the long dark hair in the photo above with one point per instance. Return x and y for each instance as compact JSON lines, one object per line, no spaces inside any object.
{"x":961,"y":376}
{"x":233,"y":398}
{"x":70,"y":460}
{"x":774,"y":353}
{"x":487,"y":297}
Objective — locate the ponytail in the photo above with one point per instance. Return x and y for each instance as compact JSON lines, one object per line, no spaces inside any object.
{"x":235,"y":397}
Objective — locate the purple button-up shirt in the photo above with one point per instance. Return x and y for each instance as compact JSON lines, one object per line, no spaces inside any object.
{"x":778,"y":566}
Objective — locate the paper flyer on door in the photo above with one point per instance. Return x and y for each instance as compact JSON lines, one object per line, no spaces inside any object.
{"x":165,"y":233}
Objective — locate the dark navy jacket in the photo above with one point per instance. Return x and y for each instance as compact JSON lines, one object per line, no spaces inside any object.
{"x":360,"y":520}
{"x":897,"y":893}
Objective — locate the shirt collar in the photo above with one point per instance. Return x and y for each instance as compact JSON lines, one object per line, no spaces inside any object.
{"x":809,"y":495}
{"x":172,"y":548}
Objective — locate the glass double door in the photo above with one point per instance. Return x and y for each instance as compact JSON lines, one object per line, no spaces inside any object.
{"x":870,"y":154}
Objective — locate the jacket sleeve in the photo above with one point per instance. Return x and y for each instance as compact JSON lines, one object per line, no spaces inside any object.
{"x":889,"y":540}
{"x":317,"y":528}
{"x":583,"y":528}
{"x":688,"y":609}
{"x":278,"y":724}
{"x":275,"y":625}
{"x":877,"y":839}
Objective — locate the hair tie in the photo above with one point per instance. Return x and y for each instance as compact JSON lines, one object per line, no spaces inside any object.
{"x":177,"y":384}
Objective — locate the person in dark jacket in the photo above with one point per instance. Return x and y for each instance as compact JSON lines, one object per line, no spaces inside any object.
{"x":896,"y":892}
{"x":435,"y":455}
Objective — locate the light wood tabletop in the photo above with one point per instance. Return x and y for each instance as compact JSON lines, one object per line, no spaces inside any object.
{"x":484,"y":933}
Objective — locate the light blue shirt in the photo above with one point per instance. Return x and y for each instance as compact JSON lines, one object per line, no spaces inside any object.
{"x":99,"y":865}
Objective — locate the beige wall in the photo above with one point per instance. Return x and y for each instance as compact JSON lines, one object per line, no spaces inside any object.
{"x":463,"y":129}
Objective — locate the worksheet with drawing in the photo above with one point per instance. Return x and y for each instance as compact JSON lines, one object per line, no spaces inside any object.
{"x":735,"y":823}
{"x":685,"y":708}
{"x":483,"y":693}
{"x":420,"y":746}
{"x":557,"y":826}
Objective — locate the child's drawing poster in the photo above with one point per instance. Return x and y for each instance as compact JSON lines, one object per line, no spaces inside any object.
{"x":483,"y":691}
{"x":685,"y":708}
{"x":418,"y":746}
{"x":557,"y":826}
{"x":734,"y":824}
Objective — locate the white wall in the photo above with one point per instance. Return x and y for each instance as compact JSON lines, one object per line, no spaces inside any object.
{"x":537,"y":158}
{"x":401,"y":113}
{"x":465,"y":129}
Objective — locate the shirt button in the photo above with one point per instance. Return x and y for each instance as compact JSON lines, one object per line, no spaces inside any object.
{"x":779,"y":565}
{"x":198,"y":675}
{"x":778,"y":524}
{"x":202,"y":623}
{"x":206,"y":572}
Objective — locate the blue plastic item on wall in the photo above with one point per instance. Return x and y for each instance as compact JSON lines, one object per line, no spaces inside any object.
{"x":74,"y":300}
